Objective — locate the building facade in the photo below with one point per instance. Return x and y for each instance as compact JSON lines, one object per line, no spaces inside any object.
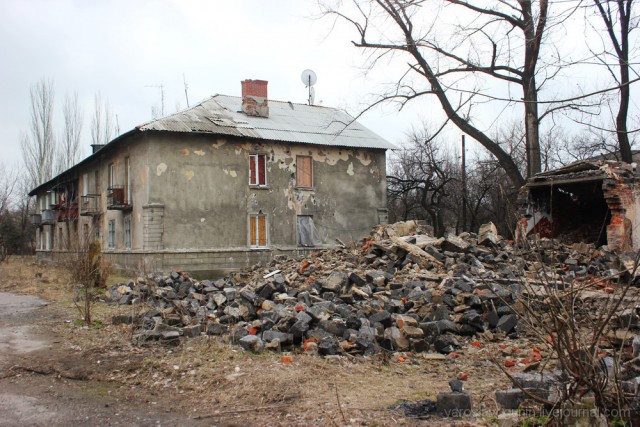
{"x":219,"y":186}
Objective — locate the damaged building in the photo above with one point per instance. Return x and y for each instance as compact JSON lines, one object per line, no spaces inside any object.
{"x":589,"y":201}
{"x":227,"y":183}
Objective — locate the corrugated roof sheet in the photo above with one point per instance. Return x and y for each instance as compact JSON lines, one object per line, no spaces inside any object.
{"x":287,"y":122}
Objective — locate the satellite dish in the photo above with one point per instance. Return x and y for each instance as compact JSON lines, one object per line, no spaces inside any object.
{"x":309,"y":78}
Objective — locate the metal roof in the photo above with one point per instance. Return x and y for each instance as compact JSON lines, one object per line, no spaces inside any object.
{"x":221,"y":115}
{"x":287,"y":122}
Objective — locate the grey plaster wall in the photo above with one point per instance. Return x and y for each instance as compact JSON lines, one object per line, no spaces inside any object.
{"x":203,"y":185}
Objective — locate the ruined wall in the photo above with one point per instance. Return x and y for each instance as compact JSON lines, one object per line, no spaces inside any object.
{"x":349,"y":188}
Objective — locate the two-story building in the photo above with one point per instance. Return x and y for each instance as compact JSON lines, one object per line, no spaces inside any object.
{"x":224,"y":184}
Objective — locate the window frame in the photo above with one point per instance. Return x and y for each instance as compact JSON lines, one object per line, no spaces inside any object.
{"x":111,"y":234}
{"x":254,"y":166}
{"x":308,"y":160}
{"x":111,"y":175}
{"x":127,"y":233}
{"x":254,"y":230}
{"x":85,"y":184}
{"x":127,"y":179}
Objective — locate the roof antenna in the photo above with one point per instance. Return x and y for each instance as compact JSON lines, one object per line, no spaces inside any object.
{"x":309,"y":78}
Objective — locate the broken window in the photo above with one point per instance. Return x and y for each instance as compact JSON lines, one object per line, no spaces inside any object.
{"x":112,"y":234}
{"x":258,"y":230}
{"x":258,"y":169}
{"x":307,"y":234}
{"x":304,"y":171}
{"x":127,"y":233}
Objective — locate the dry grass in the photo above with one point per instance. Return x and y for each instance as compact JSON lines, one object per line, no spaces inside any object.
{"x":219,"y":382}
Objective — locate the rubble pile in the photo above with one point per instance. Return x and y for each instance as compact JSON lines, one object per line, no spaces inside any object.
{"x":400,"y":290}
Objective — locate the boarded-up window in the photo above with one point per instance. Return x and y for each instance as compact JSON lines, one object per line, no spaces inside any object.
{"x":257,"y":169}
{"x":307,"y":234}
{"x":304,"y":171}
{"x":258,"y":231}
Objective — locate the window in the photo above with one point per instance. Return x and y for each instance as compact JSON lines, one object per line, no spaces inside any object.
{"x":85,"y":184}
{"x":112,"y":175}
{"x":127,"y":233}
{"x":258,"y":230}
{"x":49,"y":239}
{"x":59,"y":238}
{"x":96,"y":182}
{"x":112,"y":234}
{"x":304,"y":172}
{"x":258,"y":169}
{"x":85,"y":232}
{"x":307,"y":234}
{"x":127,"y":180}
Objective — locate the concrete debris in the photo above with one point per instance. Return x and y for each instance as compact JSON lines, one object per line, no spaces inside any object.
{"x":399,"y":290}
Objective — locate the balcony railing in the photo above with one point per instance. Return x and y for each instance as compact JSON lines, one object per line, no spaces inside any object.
{"x":90,"y":205}
{"x":117,"y":198}
{"x":48,"y":216}
{"x":36,"y":220}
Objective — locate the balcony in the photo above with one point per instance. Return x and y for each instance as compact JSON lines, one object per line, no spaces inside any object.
{"x":117,"y":198}
{"x":48,"y":216}
{"x":90,"y":205}
{"x":36,"y":220}
{"x":68,"y":213}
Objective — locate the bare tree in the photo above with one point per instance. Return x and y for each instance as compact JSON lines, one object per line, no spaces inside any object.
{"x":69,"y":147}
{"x":501,"y":41}
{"x":420,"y":180}
{"x":38,"y":144}
{"x":617,"y":17}
{"x":102,"y":123}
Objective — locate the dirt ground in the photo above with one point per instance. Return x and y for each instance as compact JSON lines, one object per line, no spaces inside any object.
{"x":55,"y":371}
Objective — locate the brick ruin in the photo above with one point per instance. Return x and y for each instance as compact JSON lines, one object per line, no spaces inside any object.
{"x":590,"y":202}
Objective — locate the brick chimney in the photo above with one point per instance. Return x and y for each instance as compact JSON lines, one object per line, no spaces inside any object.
{"x":254,"y":98}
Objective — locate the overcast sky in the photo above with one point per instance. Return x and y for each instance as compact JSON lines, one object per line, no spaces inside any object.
{"x":125,"y":49}
{"x":122,"y":49}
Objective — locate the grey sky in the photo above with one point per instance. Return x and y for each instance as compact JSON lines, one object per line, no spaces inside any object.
{"x":122,"y":49}
{"x":119,"y":48}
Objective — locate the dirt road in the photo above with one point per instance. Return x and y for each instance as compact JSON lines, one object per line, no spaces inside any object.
{"x":42,"y":384}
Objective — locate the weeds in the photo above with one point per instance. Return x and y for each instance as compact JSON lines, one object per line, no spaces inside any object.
{"x":573,"y":319}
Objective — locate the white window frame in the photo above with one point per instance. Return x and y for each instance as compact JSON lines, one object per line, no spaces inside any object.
{"x":255,"y":217}
{"x":254,"y":180}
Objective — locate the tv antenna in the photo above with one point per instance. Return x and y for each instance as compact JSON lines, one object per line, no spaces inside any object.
{"x":309,"y":78}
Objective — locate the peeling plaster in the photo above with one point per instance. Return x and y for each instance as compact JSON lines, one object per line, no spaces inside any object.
{"x":219,"y":143}
{"x":161,"y":168}
{"x":199,"y":153}
{"x":189,"y":175}
{"x":233,"y":173}
{"x":350,"y":169}
{"x":202,"y":220}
